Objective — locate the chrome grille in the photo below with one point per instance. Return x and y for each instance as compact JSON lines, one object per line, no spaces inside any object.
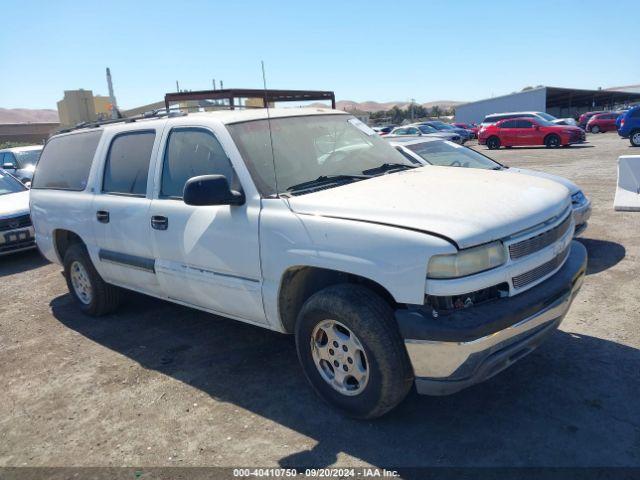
{"x":534,"y":244}
{"x":15,"y":222}
{"x":540,"y":271}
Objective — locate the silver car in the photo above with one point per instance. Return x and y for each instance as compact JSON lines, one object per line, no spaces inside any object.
{"x":21,"y":161}
{"x":430,"y":151}
{"x":424,"y":131}
{"x":16,"y":232}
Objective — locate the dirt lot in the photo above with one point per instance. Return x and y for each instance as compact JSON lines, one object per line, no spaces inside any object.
{"x":158,"y":384}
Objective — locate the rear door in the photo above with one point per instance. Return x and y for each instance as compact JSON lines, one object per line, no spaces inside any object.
{"x":121,"y":209}
{"x":526,"y":132}
{"x":508,"y":132}
{"x":206,"y":256}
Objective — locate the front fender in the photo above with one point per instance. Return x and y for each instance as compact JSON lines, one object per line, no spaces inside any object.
{"x":393,"y":257}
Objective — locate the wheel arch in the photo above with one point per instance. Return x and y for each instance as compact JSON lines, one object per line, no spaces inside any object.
{"x":63,"y":239}
{"x":551,"y":134}
{"x":298,"y":283}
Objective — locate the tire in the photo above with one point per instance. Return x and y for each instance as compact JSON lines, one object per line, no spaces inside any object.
{"x":493,"y":143}
{"x":552,"y":141}
{"x":595,"y":129}
{"x":362,"y":318}
{"x":94,"y":296}
{"x":634,"y":138}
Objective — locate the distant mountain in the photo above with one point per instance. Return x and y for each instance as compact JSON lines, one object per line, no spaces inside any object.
{"x":26,"y":115}
{"x":371,"y":106}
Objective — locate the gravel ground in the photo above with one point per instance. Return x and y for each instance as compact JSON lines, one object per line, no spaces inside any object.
{"x":158,"y":384}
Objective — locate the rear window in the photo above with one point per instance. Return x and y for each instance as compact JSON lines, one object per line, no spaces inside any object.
{"x":635,"y":113}
{"x":66,"y":161}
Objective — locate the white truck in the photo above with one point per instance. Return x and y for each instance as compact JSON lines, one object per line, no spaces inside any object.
{"x":304,"y":221}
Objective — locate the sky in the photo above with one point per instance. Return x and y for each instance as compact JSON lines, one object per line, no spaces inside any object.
{"x":363,"y":50}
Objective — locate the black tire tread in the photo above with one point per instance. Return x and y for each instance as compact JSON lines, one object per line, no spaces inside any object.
{"x":361,"y":302}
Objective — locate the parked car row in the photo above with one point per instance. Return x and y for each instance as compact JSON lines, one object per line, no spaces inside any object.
{"x":389,"y":272}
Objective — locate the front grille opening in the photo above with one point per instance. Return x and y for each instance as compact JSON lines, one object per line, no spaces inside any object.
{"x":15,"y":222}
{"x":537,"y":243}
{"x":540,"y":271}
{"x":446,"y":304}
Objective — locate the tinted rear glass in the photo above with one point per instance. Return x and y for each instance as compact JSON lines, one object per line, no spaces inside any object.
{"x":65,"y":161}
{"x":127,"y":164}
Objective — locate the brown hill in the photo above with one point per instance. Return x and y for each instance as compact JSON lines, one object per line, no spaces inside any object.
{"x":26,"y":115}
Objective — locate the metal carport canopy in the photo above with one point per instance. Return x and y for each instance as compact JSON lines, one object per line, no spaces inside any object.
{"x":571,"y":97}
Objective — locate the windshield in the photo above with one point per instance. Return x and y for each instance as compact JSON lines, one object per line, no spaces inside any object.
{"x":28,"y":158}
{"x":9,"y":184}
{"x":442,"y":126}
{"x":448,"y":154}
{"x":309,"y":148}
{"x":427,"y":129}
{"x":546,"y":116}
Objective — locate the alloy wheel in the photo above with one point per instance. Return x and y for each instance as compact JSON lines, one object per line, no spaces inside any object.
{"x":339,"y":357}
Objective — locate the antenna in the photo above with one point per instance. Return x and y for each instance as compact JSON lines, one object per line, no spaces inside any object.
{"x":266,"y":104}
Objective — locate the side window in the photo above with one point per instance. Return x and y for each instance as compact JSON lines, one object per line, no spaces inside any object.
{"x":508,"y":124}
{"x":401,"y":131}
{"x":524,"y":124}
{"x":127,"y":165}
{"x":191,"y":152}
{"x":413,"y":131}
{"x":66,"y":161}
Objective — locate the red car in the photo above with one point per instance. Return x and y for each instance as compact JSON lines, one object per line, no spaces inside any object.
{"x":528,"y":131}
{"x":468,"y":126}
{"x":584,"y":118}
{"x":602,"y":122}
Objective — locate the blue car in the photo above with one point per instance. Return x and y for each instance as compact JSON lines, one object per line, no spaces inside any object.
{"x":438,"y":125}
{"x":629,"y":126}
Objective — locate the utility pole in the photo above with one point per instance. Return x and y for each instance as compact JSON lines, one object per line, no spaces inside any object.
{"x":112,"y":97}
{"x":177,"y":86}
{"x":213,"y":81}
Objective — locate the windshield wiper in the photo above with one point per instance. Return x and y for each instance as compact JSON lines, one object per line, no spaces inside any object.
{"x":324,"y":179}
{"x":388,"y":168}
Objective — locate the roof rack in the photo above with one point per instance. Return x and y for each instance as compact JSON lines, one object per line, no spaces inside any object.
{"x":158,"y":113}
{"x":209,"y":100}
{"x":266,"y":95}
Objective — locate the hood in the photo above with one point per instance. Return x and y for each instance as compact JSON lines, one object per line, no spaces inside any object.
{"x":468,"y":206}
{"x":572,"y":187}
{"x":14,"y":204}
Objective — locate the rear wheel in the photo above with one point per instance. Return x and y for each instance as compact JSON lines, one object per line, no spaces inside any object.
{"x":493,"y":143}
{"x":552,"y":141}
{"x":634,"y":138}
{"x":351,"y":351}
{"x":94,"y":296}
{"x":595,"y":129}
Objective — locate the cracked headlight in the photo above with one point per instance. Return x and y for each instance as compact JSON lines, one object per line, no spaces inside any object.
{"x":467,"y":261}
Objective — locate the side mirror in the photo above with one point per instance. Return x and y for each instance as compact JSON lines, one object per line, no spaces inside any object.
{"x":8,"y":166}
{"x":536,"y":127}
{"x":211,"y":190}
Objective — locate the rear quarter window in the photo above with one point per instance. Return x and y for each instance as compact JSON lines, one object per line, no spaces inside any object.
{"x":66,"y":161}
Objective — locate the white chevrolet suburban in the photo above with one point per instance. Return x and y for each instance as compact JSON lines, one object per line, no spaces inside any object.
{"x":304,"y":221}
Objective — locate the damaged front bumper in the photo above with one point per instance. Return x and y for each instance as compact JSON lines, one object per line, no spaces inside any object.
{"x":452,"y":352}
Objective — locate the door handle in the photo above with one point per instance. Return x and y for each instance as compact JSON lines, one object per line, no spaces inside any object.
{"x":102,"y":216}
{"x":158,"y":222}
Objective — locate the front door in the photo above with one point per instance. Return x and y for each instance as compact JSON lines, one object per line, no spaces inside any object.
{"x":527,"y":134}
{"x":121,"y":210}
{"x":206,"y":256}
{"x":508,"y":133}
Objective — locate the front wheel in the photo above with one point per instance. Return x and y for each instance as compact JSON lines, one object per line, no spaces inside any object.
{"x":493,"y":143}
{"x":595,"y":129}
{"x":634,"y":138}
{"x":351,"y":351}
{"x":552,"y":141}
{"x":94,"y":296}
